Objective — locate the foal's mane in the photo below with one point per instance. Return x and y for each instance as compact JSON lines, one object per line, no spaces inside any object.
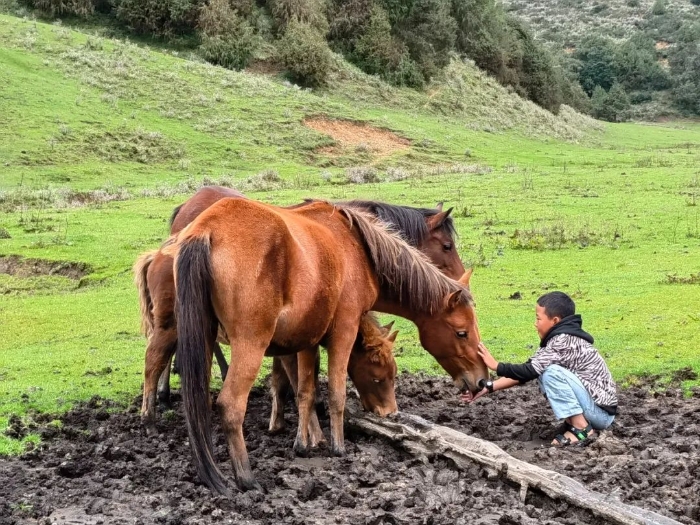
{"x":370,"y":334}
{"x":402,"y":268}
{"x":406,"y":219}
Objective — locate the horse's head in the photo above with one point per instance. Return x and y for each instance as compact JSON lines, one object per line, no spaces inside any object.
{"x":451,"y":335}
{"x":439,"y":244}
{"x":372,"y":368}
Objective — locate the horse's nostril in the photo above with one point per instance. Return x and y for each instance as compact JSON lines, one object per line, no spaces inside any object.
{"x":481,"y":384}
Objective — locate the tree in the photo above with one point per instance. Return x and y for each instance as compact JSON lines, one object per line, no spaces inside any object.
{"x":597,"y":56}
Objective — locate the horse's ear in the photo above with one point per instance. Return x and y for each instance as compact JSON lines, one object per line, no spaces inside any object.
{"x":438,"y":206}
{"x":387,"y":328}
{"x":392,"y":336}
{"x":454,"y":299}
{"x":436,"y":220}
{"x":464,"y":280}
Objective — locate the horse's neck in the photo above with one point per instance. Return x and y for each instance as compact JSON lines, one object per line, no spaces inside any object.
{"x":389,"y":304}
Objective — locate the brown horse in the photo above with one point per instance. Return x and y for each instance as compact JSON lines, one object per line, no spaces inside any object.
{"x":430,"y":230}
{"x":283,"y":281}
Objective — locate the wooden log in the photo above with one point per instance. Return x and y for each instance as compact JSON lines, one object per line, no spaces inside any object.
{"x":423,"y":438}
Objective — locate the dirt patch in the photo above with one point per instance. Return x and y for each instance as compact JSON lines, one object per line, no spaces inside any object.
{"x":20,"y":267}
{"x":99,"y":467}
{"x":357,"y":136}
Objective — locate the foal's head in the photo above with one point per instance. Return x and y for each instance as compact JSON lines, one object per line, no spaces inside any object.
{"x":372,"y":367}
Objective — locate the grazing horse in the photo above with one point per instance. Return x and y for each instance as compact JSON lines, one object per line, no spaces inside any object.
{"x":430,"y":230}
{"x":281,"y":281}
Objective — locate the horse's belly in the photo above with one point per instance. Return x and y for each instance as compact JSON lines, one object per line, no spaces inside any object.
{"x":294,"y":333}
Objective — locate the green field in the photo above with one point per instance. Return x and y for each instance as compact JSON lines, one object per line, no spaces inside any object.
{"x":100,"y":139}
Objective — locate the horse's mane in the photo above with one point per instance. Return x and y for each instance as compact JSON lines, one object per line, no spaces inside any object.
{"x":401,"y":267}
{"x":406,"y":219}
{"x":174,"y":214}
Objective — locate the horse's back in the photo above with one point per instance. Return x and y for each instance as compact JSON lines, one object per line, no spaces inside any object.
{"x":203,"y":199}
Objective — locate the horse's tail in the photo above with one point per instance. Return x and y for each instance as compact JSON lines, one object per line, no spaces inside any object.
{"x":196,"y":330}
{"x":145,"y":304}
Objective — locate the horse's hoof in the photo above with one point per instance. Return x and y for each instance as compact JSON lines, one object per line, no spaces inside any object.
{"x":150,"y":427}
{"x":338,"y":452}
{"x":300,"y":450}
{"x":249,"y":484}
{"x":276,"y":428}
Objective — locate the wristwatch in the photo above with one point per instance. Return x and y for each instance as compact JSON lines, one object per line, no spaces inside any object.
{"x":489,"y":386}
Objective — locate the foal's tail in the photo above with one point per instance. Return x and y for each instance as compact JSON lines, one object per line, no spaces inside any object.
{"x":145,"y":304}
{"x":196,"y":327}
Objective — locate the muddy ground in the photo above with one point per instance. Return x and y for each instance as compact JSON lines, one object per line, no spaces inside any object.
{"x":99,"y":467}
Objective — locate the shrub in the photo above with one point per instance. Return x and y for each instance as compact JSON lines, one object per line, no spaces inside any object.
{"x":160,"y":18}
{"x":348,"y":21}
{"x":82,"y":8}
{"x":659,"y":7}
{"x":305,"y":55}
{"x":227,"y":38}
{"x":311,"y":12}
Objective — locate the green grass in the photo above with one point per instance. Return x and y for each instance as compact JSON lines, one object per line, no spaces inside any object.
{"x":99,"y":140}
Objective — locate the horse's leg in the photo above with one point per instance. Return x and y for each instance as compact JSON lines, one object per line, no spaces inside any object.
{"x":305,"y":401}
{"x":291,"y":372}
{"x":233,"y":400}
{"x":223,"y":365}
{"x":279,"y":387}
{"x":320,"y":409}
{"x":164,"y":386}
{"x":339,"y":347}
{"x":160,"y":349}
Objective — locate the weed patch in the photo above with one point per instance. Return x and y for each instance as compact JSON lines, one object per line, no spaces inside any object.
{"x":693,"y":278}
{"x":559,"y":236}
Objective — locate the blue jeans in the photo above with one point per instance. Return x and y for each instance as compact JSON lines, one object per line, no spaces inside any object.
{"x":568,"y":397}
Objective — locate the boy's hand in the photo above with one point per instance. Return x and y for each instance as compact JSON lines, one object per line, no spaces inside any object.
{"x":488,"y":359}
{"x":470,"y":398}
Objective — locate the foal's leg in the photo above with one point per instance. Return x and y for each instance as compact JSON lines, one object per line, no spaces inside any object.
{"x":221,"y":360}
{"x":160,"y":348}
{"x":164,"y":386}
{"x":246,"y":359}
{"x":308,"y":420}
{"x":291,"y":372}
{"x":279,"y":387}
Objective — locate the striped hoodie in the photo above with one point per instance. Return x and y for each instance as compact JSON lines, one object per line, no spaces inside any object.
{"x":570,"y":347}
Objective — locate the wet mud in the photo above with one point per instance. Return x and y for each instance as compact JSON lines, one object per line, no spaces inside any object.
{"x":98,"y":466}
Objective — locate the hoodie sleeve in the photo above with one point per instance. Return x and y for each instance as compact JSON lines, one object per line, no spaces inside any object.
{"x":523,"y":373}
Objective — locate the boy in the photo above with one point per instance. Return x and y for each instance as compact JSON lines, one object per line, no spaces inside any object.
{"x":572,"y":374}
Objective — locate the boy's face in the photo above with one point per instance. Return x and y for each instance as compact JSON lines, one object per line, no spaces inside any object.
{"x":543,"y":323}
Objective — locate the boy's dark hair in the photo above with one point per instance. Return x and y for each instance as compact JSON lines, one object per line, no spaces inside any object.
{"x":557,"y":304}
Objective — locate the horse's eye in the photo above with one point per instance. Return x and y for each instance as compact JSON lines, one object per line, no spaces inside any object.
{"x":462,"y":334}
{"x":447,"y":246}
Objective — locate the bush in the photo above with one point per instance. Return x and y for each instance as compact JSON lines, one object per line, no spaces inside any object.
{"x":304,"y":53}
{"x":659,"y":7}
{"x":82,"y":8}
{"x":611,"y":106}
{"x":598,"y":66}
{"x":311,"y":12}
{"x":228,"y":40}
{"x":160,"y":18}
{"x":348,"y":20}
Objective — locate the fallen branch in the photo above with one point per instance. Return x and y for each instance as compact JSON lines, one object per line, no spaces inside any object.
{"x":420,"y":437}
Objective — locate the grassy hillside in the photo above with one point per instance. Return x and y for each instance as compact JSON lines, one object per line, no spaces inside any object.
{"x":569,"y":21}
{"x":100,"y":139}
